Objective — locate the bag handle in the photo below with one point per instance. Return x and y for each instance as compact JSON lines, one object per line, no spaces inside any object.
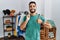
{"x":42,"y":25}
{"x":38,"y":16}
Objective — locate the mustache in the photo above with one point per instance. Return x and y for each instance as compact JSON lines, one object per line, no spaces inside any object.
{"x":32,"y":11}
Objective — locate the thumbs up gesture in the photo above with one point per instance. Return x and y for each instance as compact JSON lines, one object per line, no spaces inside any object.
{"x":39,"y":21}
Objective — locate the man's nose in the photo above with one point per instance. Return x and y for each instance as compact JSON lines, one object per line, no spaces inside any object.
{"x":31,"y":7}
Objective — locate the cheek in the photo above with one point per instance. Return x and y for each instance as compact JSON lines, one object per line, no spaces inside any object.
{"x":30,"y":8}
{"x":34,"y":7}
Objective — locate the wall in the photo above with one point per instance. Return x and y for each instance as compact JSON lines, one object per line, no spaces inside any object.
{"x":52,"y":11}
{"x":48,"y":9}
{"x":40,"y":5}
{"x":8,"y":4}
{"x":18,"y":5}
{"x":56,"y":15}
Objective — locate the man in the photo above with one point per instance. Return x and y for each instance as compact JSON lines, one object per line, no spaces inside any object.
{"x":32,"y":23}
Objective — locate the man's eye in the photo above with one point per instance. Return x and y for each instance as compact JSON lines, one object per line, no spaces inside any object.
{"x":33,"y":6}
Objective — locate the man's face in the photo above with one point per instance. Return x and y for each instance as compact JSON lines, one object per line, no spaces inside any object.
{"x":32,"y":8}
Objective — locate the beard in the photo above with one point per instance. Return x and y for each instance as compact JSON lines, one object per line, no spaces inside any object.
{"x":32,"y":10}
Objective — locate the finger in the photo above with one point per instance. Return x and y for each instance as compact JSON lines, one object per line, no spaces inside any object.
{"x":28,"y":15}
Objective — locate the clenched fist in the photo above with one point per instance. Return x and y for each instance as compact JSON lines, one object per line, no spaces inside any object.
{"x":28,"y":17}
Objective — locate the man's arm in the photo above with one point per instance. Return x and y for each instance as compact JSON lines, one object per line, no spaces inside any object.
{"x":23,"y":25}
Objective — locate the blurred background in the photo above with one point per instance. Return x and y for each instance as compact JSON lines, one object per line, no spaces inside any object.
{"x":49,"y":8}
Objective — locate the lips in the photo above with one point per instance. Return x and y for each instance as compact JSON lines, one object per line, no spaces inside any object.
{"x":32,"y":10}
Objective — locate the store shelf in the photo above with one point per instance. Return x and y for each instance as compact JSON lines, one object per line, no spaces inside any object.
{"x":8,"y":30}
{"x":8,"y":16}
{"x":8,"y":23}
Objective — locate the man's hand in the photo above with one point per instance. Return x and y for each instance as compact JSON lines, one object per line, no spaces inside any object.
{"x":28,"y":17}
{"x":47,"y":24}
{"x":39,"y":21}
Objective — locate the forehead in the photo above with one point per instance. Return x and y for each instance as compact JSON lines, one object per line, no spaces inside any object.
{"x":32,"y":4}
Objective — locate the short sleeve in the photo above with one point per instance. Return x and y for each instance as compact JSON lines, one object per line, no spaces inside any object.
{"x":42,"y":18}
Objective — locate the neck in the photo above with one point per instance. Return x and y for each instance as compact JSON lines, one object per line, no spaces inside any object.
{"x":32,"y":14}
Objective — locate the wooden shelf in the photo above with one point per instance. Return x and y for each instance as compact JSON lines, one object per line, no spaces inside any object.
{"x":44,"y":32}
{"x":8,"y":16}
{"x":8,"y":29}
{"x":8,"y":23}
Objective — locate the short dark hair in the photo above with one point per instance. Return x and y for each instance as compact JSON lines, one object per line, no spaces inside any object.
{"x":32,"y":2}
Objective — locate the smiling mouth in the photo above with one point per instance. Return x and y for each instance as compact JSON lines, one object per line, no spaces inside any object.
{"x":32,"y":10}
